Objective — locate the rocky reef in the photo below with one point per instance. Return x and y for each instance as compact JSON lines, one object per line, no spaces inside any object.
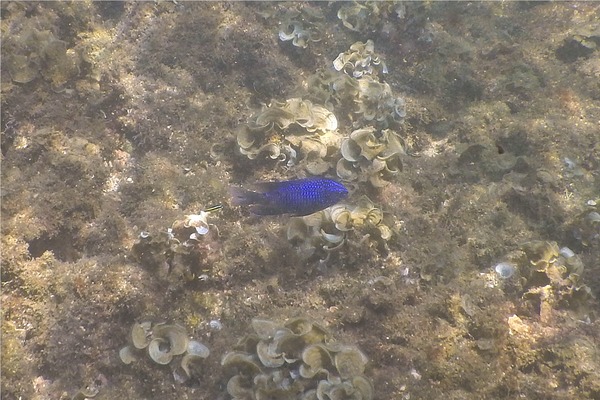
{"x":462,"y":265}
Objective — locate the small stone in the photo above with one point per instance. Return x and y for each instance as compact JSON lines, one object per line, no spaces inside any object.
{"x":505,"y":270}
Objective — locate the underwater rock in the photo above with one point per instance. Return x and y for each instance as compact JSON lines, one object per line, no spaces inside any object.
{"x":22,"y":69}
{"x":505,"y":270}
{"x":295,"y":360}
{"x":581,"y":44}
{"x":489,"y":160}
{"x":380,"y":294}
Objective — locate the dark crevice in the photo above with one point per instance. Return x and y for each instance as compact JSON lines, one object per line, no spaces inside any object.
{"x":61,"y":245}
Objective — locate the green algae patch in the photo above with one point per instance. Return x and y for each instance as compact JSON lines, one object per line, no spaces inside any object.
{"x":15,"y":368}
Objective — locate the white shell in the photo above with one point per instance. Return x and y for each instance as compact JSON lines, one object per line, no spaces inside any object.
{"x":198,"y":349}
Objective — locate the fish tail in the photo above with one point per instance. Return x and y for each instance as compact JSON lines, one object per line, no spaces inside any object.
{"x":243,"y":197}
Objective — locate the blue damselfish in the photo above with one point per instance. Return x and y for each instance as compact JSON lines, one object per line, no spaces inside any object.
{"x":297,"y":197}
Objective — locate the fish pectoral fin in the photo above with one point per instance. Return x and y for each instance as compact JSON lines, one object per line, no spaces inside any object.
{"x":266,"y":187}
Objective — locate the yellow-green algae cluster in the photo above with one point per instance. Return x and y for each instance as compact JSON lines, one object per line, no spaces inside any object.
{"x":164,"y":343}
{"x":305,"y":129}
{"x":327,"y":231}
{"x":360,"y":60}
{"x":37,"y":53}
{"x":34,"y":47}
{"x":184,"y":247}
{"x":371,"y":152}
{"x":371,"y":155}
{"x":368,"y":16}
{"x":279,"y":126}
{"x":295,"y":360}
{"x":548,"y":277}
{"x":357,"y":88}
{"x":587,"y":225}
{"x":300,"y":27}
